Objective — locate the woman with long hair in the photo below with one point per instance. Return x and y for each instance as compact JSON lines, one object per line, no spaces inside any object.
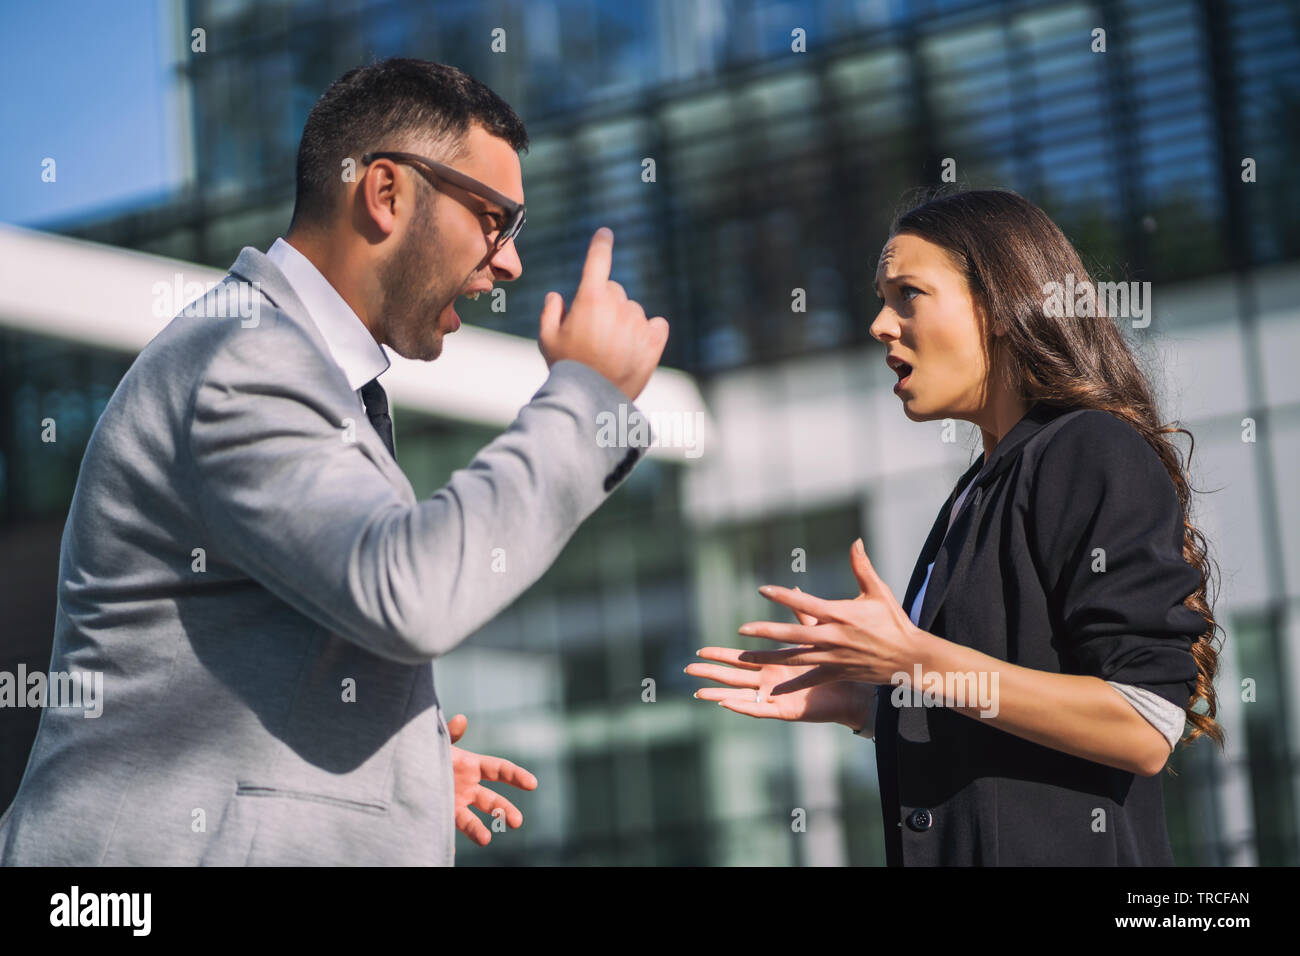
{"x":1056,"y":636}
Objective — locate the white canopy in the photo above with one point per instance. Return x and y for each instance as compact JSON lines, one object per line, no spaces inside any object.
{"x":102,"y":296}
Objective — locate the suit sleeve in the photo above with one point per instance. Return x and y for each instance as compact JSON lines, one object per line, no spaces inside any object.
{"x":312,"y":517}
{"x":1107,"y":529}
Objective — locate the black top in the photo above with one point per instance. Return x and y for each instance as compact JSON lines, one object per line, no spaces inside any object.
{"x":1065,"y":492}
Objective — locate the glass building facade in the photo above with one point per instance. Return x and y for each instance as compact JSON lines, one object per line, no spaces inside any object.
{"x":744,"y":153}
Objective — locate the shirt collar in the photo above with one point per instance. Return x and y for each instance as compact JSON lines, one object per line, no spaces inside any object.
{"x":351,"y":345}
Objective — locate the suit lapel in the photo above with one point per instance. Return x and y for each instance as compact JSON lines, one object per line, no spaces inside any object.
{"x":253,"y":265}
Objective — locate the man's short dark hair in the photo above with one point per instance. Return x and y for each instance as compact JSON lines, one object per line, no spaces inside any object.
{"x":391,"y":104}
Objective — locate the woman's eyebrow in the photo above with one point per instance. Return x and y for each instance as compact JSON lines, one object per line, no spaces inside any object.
{"x":901,"y":277}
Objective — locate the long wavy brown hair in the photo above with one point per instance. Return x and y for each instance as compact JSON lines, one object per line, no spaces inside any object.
{"x":1008,"y":249}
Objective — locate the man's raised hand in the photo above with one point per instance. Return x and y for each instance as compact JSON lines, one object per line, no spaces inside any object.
{"x":603,"y":328}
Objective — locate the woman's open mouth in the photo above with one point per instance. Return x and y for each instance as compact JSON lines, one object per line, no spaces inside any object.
{"x":902,"y":369}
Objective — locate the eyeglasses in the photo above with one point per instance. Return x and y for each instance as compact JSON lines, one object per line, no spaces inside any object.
{"x":514,"y":211}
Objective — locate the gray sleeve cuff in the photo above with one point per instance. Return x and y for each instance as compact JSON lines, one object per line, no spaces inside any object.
{"x":869,"y":729}
{"x":1166,"y":717}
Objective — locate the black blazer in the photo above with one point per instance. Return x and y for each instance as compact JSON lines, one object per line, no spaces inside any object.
{"x":1015,"y":579}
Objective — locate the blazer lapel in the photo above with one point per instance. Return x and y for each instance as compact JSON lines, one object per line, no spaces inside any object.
{"x":932,"y":541}
{"x":950,"y":550}
{"x":949,"y":555}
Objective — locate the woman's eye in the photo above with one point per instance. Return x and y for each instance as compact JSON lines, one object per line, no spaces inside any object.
{"x":904,"y":290}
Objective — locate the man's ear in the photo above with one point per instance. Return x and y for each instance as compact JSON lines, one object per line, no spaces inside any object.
{"x":374,"y":200}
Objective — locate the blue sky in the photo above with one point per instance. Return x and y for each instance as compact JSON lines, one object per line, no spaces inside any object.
{"x":83,"y":83}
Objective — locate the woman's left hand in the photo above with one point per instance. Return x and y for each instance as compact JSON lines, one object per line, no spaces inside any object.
{"x":869,"y":638}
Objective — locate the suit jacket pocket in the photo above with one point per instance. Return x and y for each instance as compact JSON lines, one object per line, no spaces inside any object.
{"x":378,"y":807}
{"x":275,"y":826}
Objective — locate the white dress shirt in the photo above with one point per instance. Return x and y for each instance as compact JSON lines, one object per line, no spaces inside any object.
{"x":351,"y":345}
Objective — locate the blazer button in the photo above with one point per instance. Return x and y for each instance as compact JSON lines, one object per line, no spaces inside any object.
{"x":920,"y":819}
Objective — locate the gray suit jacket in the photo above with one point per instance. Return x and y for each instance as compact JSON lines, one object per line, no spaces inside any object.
{"x":270,"y":700}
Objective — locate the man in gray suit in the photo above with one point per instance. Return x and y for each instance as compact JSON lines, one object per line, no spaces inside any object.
{"x":244,"y":561}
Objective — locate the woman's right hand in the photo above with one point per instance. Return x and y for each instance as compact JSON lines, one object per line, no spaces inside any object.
{"x":845,"y":701}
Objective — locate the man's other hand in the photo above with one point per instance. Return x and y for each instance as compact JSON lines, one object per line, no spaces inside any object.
{"x":469,"y":770}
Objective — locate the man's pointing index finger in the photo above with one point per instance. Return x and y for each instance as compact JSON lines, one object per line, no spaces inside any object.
{"x":595,"y":271}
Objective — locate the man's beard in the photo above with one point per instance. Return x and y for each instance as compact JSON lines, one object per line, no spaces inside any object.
{"x":411,"y":308}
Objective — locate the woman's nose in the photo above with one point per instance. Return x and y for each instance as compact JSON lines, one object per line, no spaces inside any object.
{"x":885,"y":326}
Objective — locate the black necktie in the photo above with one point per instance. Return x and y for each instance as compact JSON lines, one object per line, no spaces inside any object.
{"x":372,"y":393}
